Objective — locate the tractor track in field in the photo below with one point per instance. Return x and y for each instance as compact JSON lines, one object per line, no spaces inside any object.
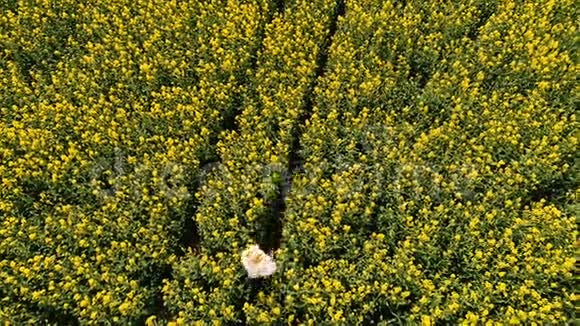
{"x":229,"y":120}
{"x":189,"y":237}
{"x":295,"y":161}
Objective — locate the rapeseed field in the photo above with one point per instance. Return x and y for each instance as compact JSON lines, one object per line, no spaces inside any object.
{"x":288,"y":162}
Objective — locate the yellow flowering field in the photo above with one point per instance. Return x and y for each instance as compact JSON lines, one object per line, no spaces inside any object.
{"x":398,"y":162}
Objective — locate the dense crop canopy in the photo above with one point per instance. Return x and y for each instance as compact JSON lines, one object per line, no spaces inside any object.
{"x":396,"y":161}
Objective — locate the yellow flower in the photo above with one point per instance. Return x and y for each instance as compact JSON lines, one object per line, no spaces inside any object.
{"x":151,"y":320}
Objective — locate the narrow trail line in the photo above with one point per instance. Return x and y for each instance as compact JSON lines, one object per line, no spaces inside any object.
{"x":229,"y":119}
{"x":295,"y":161}
{"x":190,"y":238}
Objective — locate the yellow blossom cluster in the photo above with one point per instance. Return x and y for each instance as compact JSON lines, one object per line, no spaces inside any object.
{"x":434,"y":165}
{"x":107,"y":109}
{"x":254,"y":156}
{"x":235,"y":201}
